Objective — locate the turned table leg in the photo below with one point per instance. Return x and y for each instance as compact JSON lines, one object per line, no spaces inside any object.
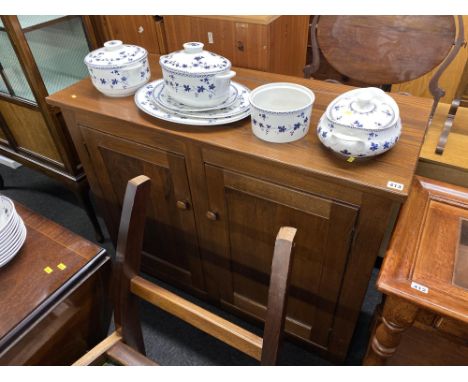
{"x":398,"y":315}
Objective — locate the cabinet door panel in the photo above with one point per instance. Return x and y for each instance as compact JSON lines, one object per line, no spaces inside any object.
{"x":250,"y":213}
{"x":170,"y":243}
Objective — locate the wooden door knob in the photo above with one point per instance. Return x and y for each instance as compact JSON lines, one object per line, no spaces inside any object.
{"x":182,"y":205}
{"x":210,"y":215}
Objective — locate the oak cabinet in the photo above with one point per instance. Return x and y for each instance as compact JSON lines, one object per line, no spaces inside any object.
{"x":142,"y":30}
{"x":220,"y":194}
{"x":170,"y":244}
{"x":271,"y":43}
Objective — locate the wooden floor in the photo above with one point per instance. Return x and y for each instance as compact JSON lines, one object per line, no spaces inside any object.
{"x":452,"y":165}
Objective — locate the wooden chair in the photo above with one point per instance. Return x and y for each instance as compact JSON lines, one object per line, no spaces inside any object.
{"x":385,"y":50}
{"x":126,"y":346}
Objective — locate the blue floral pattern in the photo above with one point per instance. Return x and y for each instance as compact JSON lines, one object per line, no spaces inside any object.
{"x":207,"y":62}
{"x":128,"y":54}
{"x":285,"y":125}
{"x":377,"y":143}
{"x":144,"y":99}
{"x":119,"y":79}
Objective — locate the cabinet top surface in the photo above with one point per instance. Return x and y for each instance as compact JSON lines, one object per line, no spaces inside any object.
{"x":48,"y":260}
{"x":307,"y":155}
{"x":427,"y":261}
{"x":257,"y":19}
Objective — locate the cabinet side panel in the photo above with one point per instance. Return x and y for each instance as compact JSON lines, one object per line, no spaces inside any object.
{"x":288,"y":37}
{"x":29,"y":130}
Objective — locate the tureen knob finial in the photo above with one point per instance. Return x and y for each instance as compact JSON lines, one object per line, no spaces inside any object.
{"x":193,"y":47}
{"x":364,"y":98}
{"x":113,"y":45}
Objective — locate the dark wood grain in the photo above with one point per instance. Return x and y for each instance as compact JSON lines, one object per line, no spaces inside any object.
{"x":128,"y":258}
{"x":306,"y":155}
{"x":44,"y":312}
{"x":385,"y":49}
{"x":240,"y":191}
{"x":277,"y":295}
{"x":47,"y":245}
{"x":41,"y":140}
{"x":169,"y":245}
{"x":126,"y":345}
{"x":241,"y":249}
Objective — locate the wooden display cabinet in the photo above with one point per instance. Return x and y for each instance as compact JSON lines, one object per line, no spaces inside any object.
{"x":275,"y":44}
{"x":40,"y":55}
{"x":142,"y":30}
{"x":219,"y":196}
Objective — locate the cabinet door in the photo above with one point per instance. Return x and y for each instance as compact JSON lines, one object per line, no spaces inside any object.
{"x":246,"y":214}
{"x":170,"y":249}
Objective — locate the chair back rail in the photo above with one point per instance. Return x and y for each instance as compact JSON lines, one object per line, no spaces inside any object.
{"x":126,"y":345}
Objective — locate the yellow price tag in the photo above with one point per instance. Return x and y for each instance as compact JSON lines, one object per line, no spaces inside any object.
{"x":48,"y":270}
{"x":350,"y":159}
{"x":62,"y":266}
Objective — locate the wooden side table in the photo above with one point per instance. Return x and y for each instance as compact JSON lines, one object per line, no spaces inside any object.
{"x":53,"y":296}
{"x":425,"y":279}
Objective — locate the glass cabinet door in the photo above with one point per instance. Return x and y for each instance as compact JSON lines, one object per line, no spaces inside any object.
{"x":12,"y":79}
{"x":59,"y":45}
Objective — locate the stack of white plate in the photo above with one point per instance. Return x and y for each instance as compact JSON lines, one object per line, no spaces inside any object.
{"x":12,"y":231}
{"x":154,"y":100}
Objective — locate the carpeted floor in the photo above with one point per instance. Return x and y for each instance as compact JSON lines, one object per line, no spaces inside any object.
{"x":169,"y":340}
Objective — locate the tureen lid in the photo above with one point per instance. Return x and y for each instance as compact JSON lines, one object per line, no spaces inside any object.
{"x":366,"y":108}
{"x":115,"y":54}
{"x":194,"y":60}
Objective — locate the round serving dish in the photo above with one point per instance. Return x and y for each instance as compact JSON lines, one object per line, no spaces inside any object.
{"x":117,"y":69}
{"x":360,"y":123}
{"x":196,"y":77}
{"x":281,"y":111}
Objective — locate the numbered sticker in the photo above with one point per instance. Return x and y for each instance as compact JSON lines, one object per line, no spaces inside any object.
{"x":395,"y":185}
{"x":419,"y":287}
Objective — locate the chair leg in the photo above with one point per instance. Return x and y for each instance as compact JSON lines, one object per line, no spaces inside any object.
{"x":81,"y":192}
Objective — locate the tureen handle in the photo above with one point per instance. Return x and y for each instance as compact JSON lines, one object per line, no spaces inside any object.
{"x":354,"y":141}
{"x":222,"y":79}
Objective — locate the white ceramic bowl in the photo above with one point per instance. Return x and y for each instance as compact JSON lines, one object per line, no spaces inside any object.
{"x":118,"y":70}
{"x":196,"y":77}
{"x":281,"y":111}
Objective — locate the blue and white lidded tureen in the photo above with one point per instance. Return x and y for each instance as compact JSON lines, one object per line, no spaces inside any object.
{"x":118,"y":69}
{"x":196,"y":77}
{"x":360,"y":123}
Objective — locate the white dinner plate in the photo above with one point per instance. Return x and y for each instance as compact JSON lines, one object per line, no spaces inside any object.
{"x":7,"y":211}
{"x":163,"y":99}
{"x":144,"y":101}
{"x":8,"y":230}
{"x":240,"y":106}
{"x":16,"y":247}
